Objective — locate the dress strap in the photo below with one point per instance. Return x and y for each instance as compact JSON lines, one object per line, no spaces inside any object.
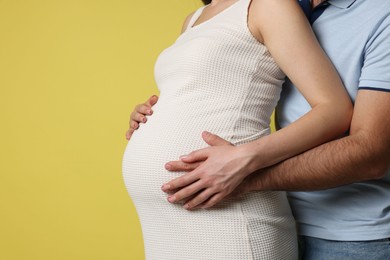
{"x":195,"y":17}
{"x":244,"y":9}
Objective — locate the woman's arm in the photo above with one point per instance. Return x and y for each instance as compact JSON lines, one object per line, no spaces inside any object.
{"x":288,"y":36}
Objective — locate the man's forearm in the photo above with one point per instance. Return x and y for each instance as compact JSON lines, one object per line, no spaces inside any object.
{"x":343,"y":161}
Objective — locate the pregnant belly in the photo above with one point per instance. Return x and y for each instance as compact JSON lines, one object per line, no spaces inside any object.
{"x":155,"y":143}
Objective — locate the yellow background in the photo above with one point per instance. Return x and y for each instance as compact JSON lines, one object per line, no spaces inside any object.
{"x":70,"y":73}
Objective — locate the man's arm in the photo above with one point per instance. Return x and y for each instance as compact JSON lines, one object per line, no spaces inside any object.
{"x":363,"y":155}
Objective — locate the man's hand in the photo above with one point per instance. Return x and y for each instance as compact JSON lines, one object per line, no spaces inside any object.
{"x":139,"y":115}
{"x":215,"y":172}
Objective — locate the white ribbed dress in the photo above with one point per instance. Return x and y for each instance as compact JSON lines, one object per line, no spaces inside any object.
{"x":215,"y":77}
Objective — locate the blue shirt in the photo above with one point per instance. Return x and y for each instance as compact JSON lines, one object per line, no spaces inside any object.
{"x":356,"y":36}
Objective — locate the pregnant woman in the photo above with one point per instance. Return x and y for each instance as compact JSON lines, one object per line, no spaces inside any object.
{"x":224,"y":74}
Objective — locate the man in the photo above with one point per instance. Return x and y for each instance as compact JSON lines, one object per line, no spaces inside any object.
{"x":340,"y":191}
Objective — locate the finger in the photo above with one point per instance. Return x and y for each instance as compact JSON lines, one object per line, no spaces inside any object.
{"x":129,"y":133}
{"x":199,"y":199}
{"x":152,"y":101}
{"x":180,"y":166}
{"x":201,"y":205}
{"x":171,"y":192}
{"x":186,"y":192}
{"x":133,"y":125}
{"x":213,"y":139}
{"x":143,"y":109}
{"x":137,"y":117}
{"x":213,"y":201}
{"x":182,"y":181}
{"x":195,"y":156}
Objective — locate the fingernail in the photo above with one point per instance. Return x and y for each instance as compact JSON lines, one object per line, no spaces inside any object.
{"x":186,"y":206}
{"x":168,"y":166}
{"x":183,"y":156}
{"x":165,"y":187}
{"x":144,"y":119}
{"x":171,"y":199}
{"x":206,"y":133}
{"x":149,"y":112}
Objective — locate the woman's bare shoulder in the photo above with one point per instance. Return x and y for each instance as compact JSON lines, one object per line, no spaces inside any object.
{"x":266,"y":6}
{"x":263,"y":14}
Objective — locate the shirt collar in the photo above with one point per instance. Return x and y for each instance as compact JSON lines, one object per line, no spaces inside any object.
{"x":343,"y":4}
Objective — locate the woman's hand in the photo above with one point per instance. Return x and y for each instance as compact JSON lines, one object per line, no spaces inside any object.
{"x":139,"y":115}
{"x":219,"y":170}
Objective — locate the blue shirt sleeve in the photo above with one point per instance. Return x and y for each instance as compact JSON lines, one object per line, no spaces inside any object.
{"x":375,"y":73}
